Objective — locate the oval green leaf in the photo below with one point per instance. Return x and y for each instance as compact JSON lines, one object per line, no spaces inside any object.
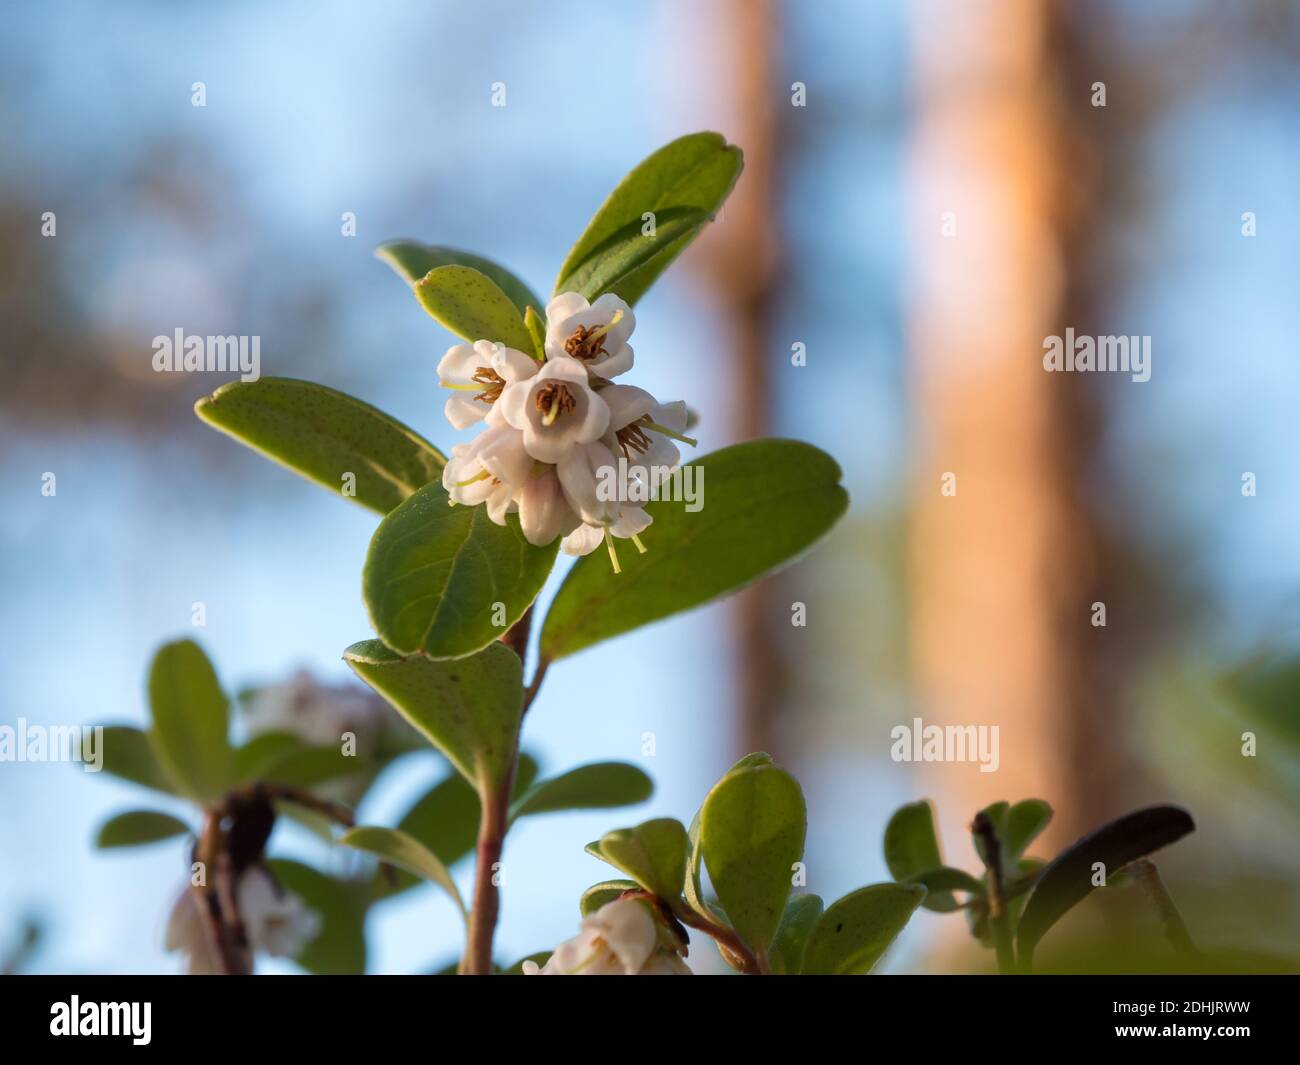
{"x":328,"y":437}
{"x":137,"y":827}
{"x":588,"y":787}
{"x":1022,"y":824}
{"x":752,"y":828}
{"x":412,"y":260}
{"x":764,"y":504}
{"x":128,"y":753}
{"x":697,"y":172}
{"x":630,"y":248}
{"x":469,"y":709}
{"x":800,"y":917}
{"x":1068,"y":878}
{"x":190,"y":720}
{"x":653,"y":854}
{"x":435,"y":572}
{"x":405,"y":852}
{"x":854,"y":932}
{"x":912,"y":848}
{"x":601,"y":894}
{"x":472,"y":306}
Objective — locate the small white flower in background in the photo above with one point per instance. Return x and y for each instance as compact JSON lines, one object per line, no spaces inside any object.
{"x":556,"y":410}
{"x":595,"y":334}
{"x":619,"y":939}
{"x":275,"y":921}
{"x":318,"y":714}
{"x":478,"y":373}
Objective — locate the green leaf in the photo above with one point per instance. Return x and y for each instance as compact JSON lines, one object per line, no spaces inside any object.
{"x":854,"y":932}
{"x":469,"y":709}
{"x":693,"y":892}
{"x":797,"y":923}
{"x":262,"y":752}
{"x":1068,"y":878}
{"x":136,"y":827}
{"x":128,"y":753}
{"x":788,"y":490}
{"x":589,"y":787}
{"x":325,"y":436}
{"x":412,"y":261}
{"x":435,"y":573}
{"x":190,"y":720}
{"x":536,"y":326}
{"x":653,"y":854}
{"x":397,"y":848}
{"x":602,"y":894}
{"x":752,"y":828}
{"x":696,"y":172}
{"x":472,"y":306}
{"x":339,"y":948}
{"x":1023,"y":824}
{"x":630,"y":248}
{"x":940,"y":883}
{"x":912,"y":848}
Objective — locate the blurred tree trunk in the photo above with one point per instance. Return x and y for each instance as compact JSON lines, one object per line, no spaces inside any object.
{"x":741,"y":258}
{"x":1004,"y":573}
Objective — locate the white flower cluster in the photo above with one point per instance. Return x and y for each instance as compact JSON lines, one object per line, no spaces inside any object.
{"x":553,"y":430}
{"x":318,"y":714}
{"x":275,"y":922}
{"x":619,"y":939}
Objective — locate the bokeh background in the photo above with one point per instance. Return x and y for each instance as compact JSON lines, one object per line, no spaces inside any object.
{"x":948,"y":196}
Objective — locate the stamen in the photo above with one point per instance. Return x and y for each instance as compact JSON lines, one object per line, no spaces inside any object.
{"x":632,"y":436}
{"x":458,"y":388}
{"x":618,"y":316}
{"x":588,"y":343}
{"x":552,"y":400}
{"x":481,"y":475}
{"x":639,"y":545}
{"x":492,"y":383}
{"x":613,"y":555}
{"x":665,"y":431}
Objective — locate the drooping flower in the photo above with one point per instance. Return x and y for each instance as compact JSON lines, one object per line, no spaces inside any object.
{"x":478,"y":374}
{"x":619,"y":939}
{"x":544,"y":512}
{"x":489,"y":469}
{"x":556,"y":410}
{"x":595,"y":334}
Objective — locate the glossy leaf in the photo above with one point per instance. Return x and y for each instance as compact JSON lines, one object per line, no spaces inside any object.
{"x":137,"y":827}
{"x":695,"y":172}
{"x":752,"y":828}
{"x":412,"y":260}
{"x":588,"y":787}
{"x":435,"y":572}
{"x":339,"y":948}
{"x":190,"y":720}
{"x":854,"y":932}
{"x":940,"y":884}
{"x":128,"y":753}
{"x":1024,"y":823}
{"x":765,"y":503}
{"x":326,"y":436}
{"x":602,"y":894}
{"x":792,"y":934}
{"x":653,"y":854}
{"x":399,"y":849}
{"x":536,"y":326}
{"x":472,"y":306}
{"x":1068,"y":878}
{"x":630,"y":249}
{"x":912,"y":848}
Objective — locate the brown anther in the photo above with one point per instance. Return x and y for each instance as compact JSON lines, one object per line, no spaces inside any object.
{"x":585,"y":343}
{"x":554,"y":397}
{"x":633,"y":437}
{"x":492,"y":383}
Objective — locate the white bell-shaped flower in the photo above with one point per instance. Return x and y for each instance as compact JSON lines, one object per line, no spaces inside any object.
{"x":595,"y":334}
{"x":478,"y":374}
{"x":557,"y":410}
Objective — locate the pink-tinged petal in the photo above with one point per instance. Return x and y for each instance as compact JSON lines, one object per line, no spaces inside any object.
{"x":609,"y":305}
{"x":565,"y":305}
{"x":504,"y":456}
{"x":628,"y":930}
{"x":626,"y":404}
{"x":463,"y":411}
{"x":544,"y":513}
{"x":500,"y":502}
{"x":582,"y":541}
{"x":565,"y":369}
{"x":458,"y":365}
{"x":618,"y":361}
{"x":631,"y":522}
{"x":511,"y":406}
{"x":674,"y":416}
{"x":595,"y":419}
{"x":578,"y":473}
{"x":660,"y":458}
{"x":513,"y":365}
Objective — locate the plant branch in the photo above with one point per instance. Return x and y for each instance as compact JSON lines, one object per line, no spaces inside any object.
{"x":999,"y":919}
{"x":1145,"y":873}
{"x":487,"y":897}
{"x":535,"y":685}
{"x":731,"y":945}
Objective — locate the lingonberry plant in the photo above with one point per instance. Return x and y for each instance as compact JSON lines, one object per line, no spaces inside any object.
{"x":568,"y":455}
